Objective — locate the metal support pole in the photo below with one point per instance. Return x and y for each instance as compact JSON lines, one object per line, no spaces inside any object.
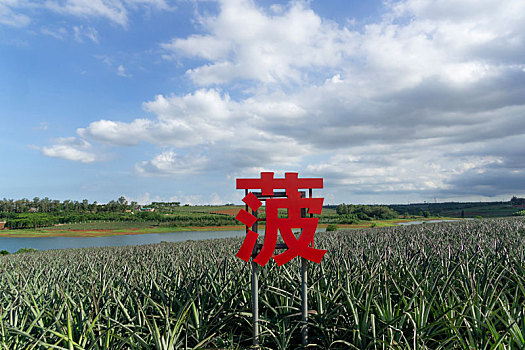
{"x":255,"y":288}
{"x":255,"y":305}
{"x":304,"y":304}
{"x":304,"y":292}
{"x":255,"y":282}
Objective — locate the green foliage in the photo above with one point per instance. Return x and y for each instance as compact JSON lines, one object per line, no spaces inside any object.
{"x":519,"y":213}
{"x":517,"y":201}
{"x":363,"y":216}
{"x":332,"y":227}
{"x":455,"y":209}
{"x":26,"y":250}
{"x":348,"y":219}
{"x":350,"y":213}
{"x":177,"y":219}
{"x":454,"y":285}
{"x":4,"y":252}
{"x":341,"y":209}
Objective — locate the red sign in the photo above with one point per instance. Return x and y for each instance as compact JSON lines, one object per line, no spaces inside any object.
{"x":293,"y":201}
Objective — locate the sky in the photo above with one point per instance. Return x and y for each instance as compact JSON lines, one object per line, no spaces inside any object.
{"x":157,"y":100}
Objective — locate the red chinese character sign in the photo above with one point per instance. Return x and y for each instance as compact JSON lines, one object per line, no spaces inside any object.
{"x":294,"y":202}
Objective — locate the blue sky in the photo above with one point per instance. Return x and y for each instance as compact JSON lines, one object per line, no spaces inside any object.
{"x":389,"y":102}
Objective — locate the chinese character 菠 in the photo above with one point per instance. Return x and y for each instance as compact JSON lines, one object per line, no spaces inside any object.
{"x":295,"y":203}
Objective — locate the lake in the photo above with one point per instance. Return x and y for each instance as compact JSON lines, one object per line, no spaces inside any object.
{"x":12,"y":244}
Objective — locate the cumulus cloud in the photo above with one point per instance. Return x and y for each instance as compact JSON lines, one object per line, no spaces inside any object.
{"x":169,"y":163}
{"x":116,"y":133}
{"x":238,"y":134}
{"x":419,"y":102}
{"x":70,"y":148}
{"x":200,"y":118}
{"x":244,"y":42}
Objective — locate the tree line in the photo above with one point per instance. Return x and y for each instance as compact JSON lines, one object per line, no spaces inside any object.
{"x":46,"y":205}
{"x":36,"y":213}
{"x":36,"y":220}
{"x":353,"y":214}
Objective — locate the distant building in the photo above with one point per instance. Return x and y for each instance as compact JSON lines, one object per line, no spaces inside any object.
{"x":2,"y":225}
{"x":165,"y":204}
{"x":148,"y":209}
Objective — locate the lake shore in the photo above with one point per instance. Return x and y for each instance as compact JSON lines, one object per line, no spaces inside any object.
{"x":69,"y":232}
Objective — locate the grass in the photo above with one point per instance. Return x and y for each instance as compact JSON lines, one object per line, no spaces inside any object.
{"x":496,"y":210}
{"x":440,"y":286}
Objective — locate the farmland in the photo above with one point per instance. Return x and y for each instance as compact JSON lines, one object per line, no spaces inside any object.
{"x":168,"y":219}
{"x":47,"y":218}
{"x":448,"y":285}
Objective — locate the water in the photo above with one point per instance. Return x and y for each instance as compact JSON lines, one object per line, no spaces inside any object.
{"x":12,"y":244}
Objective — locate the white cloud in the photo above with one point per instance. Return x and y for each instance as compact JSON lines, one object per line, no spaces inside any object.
{"x":80,"y":32}
{"x":117,"y":133}
{"x":169,"y":163}
{"x":11,"y":18}
{"x":194,"y":119}
{"x":115,"y":10}
{"x":58,"y":33}
{"x":71,"y":148}
{"x":413,"y":103}
{"x":121,"y":71}
{"x":15,"y":12}
{"x":110,"y":9}
{"x":244,"y":42}
{"x":240,"y":134}
{"x":378,"y":169}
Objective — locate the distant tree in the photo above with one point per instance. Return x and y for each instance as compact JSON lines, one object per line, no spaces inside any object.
{"x":341,"y":209}
{"x":26,"y":250}
{"x":332,"y":227}
{"x":348,"y":219}
{"x":46,"y":205}
{"x":122,"y":200}
{"x":36,"y":204}
{"x":517,"y":201}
